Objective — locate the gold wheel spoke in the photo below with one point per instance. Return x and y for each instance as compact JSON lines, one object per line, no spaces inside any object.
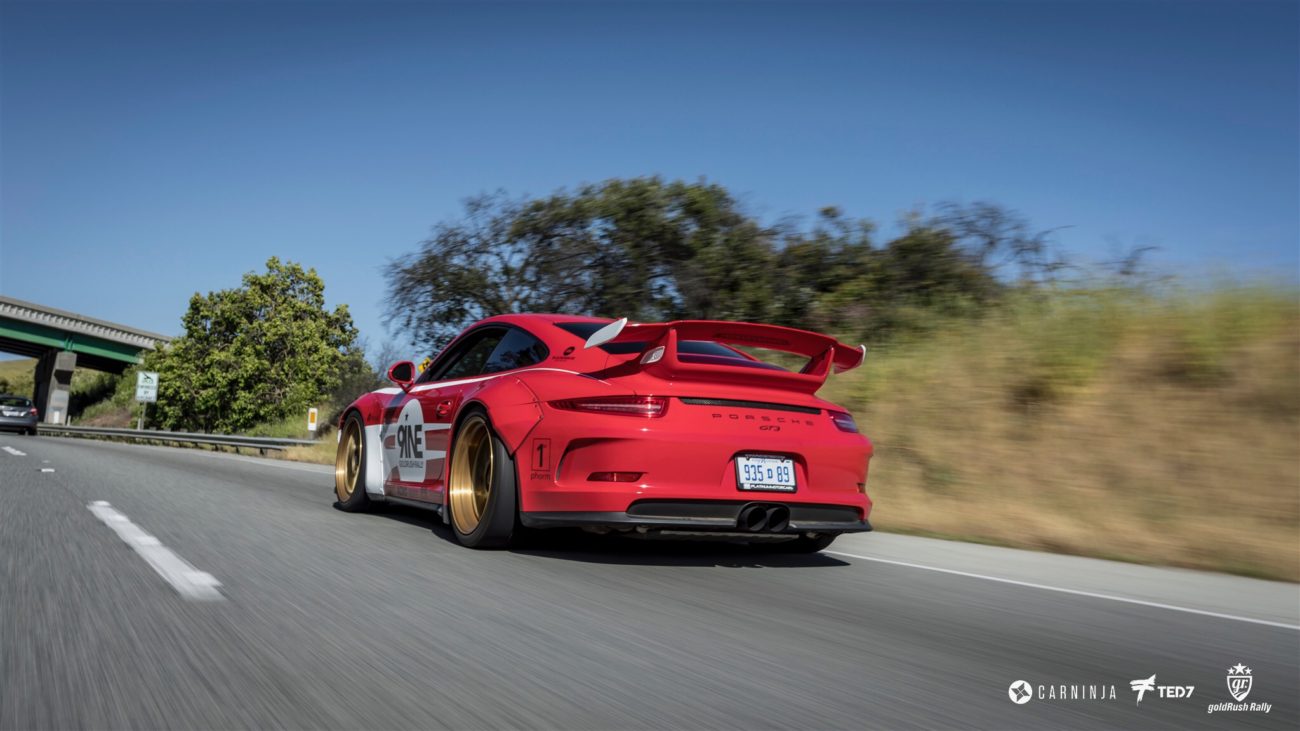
{"x":470,"y":478}
{"x":347,"y":465}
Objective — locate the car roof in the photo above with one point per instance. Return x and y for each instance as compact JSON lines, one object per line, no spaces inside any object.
{"x":538,"y":318}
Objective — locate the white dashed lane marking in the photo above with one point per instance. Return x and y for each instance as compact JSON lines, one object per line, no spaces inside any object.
{"x":13,"y":451}
{"x":184,"y":578}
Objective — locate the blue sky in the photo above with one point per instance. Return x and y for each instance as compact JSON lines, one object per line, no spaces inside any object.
{"x":152,"y":150}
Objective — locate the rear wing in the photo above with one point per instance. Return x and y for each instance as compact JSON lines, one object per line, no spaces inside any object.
{"x":825,"y":354}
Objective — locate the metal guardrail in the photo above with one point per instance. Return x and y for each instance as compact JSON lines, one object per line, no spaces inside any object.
{"x":178,"y":437}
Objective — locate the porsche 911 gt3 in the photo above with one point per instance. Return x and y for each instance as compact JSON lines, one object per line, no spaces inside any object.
{"x":691,"y":429}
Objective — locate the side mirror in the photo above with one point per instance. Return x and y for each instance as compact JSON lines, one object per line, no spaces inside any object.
{"x":402,"y":373}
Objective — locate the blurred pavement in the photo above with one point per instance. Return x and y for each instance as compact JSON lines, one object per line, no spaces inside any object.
{"x":380,"y":620}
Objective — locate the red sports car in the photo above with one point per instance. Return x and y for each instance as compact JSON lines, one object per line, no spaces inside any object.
{"x":666,"y":430}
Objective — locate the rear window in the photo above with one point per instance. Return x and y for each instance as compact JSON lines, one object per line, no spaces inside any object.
{"x":516,"y":350}
{"x":15,"y":401}
{"x":688,"y":351}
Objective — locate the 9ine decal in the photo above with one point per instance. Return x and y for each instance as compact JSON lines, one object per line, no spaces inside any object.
{"x":410,"y":441}
{"x":405,"y":446}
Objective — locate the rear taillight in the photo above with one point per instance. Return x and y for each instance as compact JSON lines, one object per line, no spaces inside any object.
{"x":648,"y":406}
{"x":844,"y":421}
{"x":33,"y":413}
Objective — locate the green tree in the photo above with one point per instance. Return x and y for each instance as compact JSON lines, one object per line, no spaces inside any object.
{"x":642,"y":248}
{"x":650,"y":249}
{"x":261,"y":352}
{"x":902,"y":285}
{"x":812,"y":265}
{"x":999,"y":238}
{"x":355,"y":377}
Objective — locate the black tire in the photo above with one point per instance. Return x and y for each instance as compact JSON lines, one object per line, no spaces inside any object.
{"x":804,"y":544}
{"x":350,"y":466}
{"x":485,"y":521}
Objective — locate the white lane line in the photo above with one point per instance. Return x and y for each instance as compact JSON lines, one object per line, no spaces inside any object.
{"x":184,"y":578}
{"x":13,"y":451}
{"x":318,"y":469}
{"x":296,"y":466}
{"x":47,"y":469}
{"x":1076,"y":592}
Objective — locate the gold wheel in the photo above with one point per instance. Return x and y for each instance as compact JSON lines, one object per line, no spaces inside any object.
{"x":471,"y":474}
{"x":347,"y":462}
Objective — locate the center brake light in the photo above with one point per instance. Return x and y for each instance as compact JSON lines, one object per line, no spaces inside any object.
{"x":647,"y":406}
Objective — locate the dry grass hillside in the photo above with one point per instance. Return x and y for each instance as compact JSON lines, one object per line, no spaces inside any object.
{"x":1159,"y":430}
{"x":17,"y":376}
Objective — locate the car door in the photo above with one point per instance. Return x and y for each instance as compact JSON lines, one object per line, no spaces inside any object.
{"x":417,"y":428}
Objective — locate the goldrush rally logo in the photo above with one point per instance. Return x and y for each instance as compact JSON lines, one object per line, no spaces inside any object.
{"x":1240,"y":681}
{"x":1021,"y":692}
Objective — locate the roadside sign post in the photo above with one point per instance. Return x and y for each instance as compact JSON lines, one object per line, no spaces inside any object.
{"x":311,"y":419}
{"x":146,"y":392}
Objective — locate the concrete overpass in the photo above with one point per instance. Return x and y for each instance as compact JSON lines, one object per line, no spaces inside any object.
{"x":61,"y":341}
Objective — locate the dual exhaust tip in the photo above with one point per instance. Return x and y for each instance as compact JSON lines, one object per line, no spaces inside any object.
{"x":759,"y":518}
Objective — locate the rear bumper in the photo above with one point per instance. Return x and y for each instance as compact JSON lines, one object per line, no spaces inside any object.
{"x":687,"y":457}
{"x":713,"y":516}
{"x":18,"y":423}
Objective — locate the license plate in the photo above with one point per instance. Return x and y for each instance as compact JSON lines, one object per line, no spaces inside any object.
{"x":755,"y":472}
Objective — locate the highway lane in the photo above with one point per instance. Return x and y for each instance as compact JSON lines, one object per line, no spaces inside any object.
{"x":381,"y":621}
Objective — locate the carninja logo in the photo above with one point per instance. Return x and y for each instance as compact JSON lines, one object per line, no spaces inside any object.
{"x":1020,"y":692}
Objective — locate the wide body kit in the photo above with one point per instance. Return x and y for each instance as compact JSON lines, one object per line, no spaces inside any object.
{"x":656,"y":430}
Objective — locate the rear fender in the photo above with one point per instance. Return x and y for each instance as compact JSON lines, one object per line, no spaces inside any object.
{"x":511,"y":406}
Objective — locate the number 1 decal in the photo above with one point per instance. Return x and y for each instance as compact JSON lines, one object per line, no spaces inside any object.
{"x":541,"y":454}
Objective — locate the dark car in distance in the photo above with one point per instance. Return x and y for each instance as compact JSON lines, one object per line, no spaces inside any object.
{"x":17,"y":413}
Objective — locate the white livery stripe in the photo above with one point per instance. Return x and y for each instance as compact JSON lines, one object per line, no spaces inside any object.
{"x":446,"y":384}
{"x":184,"y":578}
{"x":422,"y":387}
{"x":14,"y":452}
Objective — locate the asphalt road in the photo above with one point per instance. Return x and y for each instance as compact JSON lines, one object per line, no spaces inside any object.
{"x":325,"y":619}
